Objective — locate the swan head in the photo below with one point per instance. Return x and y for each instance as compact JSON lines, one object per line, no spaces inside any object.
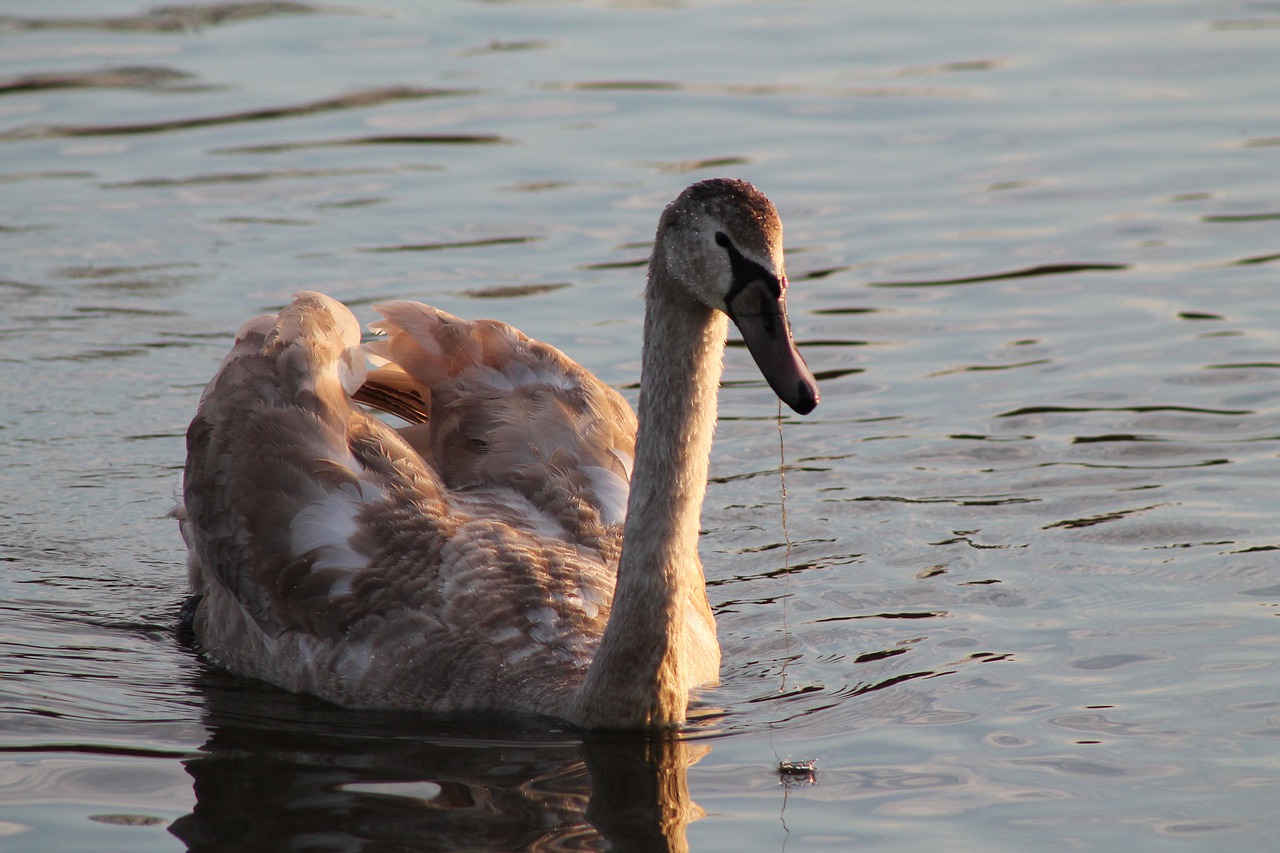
{"x":721,"y":239}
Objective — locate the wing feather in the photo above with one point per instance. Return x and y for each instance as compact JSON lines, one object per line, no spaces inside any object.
{"x":334,"y":557}
{"x":512,"y":411}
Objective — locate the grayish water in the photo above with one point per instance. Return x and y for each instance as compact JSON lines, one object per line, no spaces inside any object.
{"x":1032,"y":594}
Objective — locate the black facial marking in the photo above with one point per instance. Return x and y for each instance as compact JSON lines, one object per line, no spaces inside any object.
{"x":745,"y":271}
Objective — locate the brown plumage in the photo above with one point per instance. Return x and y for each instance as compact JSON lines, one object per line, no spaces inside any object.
{"x":503,"y":552}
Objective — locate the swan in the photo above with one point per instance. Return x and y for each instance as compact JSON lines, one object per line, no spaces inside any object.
{"x":526,"y":544}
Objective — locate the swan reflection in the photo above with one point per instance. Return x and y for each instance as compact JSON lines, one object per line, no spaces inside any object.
{"x":287,"y":772}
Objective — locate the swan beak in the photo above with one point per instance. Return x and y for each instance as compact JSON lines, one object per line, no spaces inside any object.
{"x":760,"y":313}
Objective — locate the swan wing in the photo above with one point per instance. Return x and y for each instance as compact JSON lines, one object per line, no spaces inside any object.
{"x":512,"y":411}
{"x":332,"y":558}
{"x":280,"y":466}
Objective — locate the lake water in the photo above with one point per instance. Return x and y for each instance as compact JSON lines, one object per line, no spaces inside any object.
{"x":1030,"y":595}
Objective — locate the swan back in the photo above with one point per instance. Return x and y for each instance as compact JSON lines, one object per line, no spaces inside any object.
{"x":511,"y":411}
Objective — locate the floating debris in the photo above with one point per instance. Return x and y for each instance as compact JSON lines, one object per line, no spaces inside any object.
{"x":793,"y":773}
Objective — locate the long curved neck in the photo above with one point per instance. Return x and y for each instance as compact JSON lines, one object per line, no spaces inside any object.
{"x":636,"y":678}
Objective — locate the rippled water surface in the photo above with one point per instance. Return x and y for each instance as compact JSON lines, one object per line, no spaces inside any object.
{"x":1030,"y":595}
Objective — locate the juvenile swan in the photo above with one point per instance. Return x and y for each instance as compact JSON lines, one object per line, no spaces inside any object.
{"x":503,"y":552}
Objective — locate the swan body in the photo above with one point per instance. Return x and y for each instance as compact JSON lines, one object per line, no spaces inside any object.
{"x":525,"y":544}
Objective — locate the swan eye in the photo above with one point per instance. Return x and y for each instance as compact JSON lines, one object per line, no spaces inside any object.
{"x":745,"y":271}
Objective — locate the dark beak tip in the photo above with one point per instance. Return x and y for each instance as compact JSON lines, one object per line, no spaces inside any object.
{"x":806,"y":398}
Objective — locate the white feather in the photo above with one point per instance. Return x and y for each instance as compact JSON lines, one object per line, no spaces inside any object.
{"x":325,"y":526}
{"x":611,"y":491}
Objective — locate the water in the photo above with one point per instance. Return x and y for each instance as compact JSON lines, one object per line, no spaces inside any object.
{"x":1031,"y":594}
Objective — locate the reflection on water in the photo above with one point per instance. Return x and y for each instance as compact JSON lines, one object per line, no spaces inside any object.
{"x":280,"y":772}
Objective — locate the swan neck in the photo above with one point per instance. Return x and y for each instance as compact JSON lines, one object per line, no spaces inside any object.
{"x":640,"y":676}
{"x":680,"y":378}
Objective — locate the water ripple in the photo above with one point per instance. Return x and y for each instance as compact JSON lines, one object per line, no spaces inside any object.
{"x":139,"y":77}
{"x":1027,"y":272}
{"x":761,"y":89}
{"x":381,"y":139}
{"x":250,"y":177}
{"x":452,"y":244}
{"x":352,"y":101}
{"x":1042,"y":410}
{"x":1241,"y":217}
{"x":172,"y":19}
